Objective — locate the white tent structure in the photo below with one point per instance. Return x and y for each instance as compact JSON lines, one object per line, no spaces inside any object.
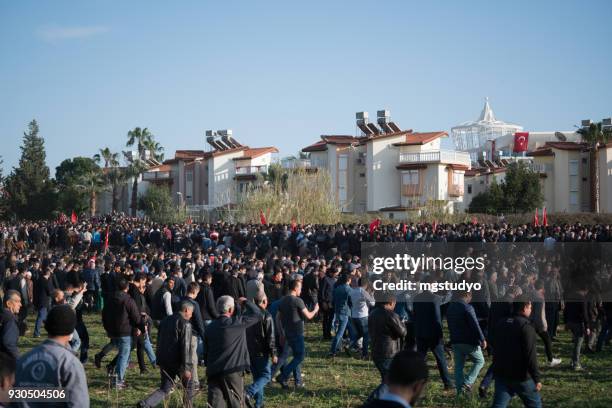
{"x":472,"y":136}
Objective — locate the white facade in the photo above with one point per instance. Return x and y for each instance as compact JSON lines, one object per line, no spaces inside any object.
{"x":395,"y":173}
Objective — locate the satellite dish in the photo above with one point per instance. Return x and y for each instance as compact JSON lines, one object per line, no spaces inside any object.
{"x":560,"y":136}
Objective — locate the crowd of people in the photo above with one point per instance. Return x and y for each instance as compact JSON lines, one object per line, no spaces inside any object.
{"x":235,"y":298}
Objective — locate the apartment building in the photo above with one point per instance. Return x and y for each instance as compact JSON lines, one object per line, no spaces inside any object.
{"x":212,"y":178}
{"x":389,"y":170}
{"x":564,"y":169}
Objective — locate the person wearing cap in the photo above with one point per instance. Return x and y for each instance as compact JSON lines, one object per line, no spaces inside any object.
{"x":407,"y":378}
{"x":52,"y":364}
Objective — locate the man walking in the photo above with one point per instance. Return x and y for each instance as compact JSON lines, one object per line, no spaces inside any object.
{"x":174,"y":356}
{"x":467,"y":340}
{"x":386,"y":333}
{"x":428,"y":328}
{"x":342,"y":311}
{"x":293,"y":312}
{"x":121,"y":318}
{"x":261,"y":345}
{"x":226,"y":353}
{"x":515,"y":359}
{"x":42,"y":298}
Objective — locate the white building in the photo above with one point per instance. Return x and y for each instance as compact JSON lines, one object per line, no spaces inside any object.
{"x":212,"y":178}
{"x":386,"y":169}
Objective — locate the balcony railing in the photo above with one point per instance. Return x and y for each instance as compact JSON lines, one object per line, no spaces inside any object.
{"x":455,"y":190}
{"x":156,"y":176}
{"x":304,"y":164}
{"x":246,"y":170}
{"x":441,"y":156}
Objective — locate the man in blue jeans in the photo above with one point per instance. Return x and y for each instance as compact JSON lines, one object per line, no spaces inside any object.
{"x":515,"y":359}
{"x":121,"y":318}
{"x":467,"y":340}
{"x":342,"y":310}
{"x":43,"y":289}
{"x":262,"y":346}
{"x":293,"y":312}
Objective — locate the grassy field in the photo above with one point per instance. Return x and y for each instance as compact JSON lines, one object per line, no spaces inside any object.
{"x":346,"y":382}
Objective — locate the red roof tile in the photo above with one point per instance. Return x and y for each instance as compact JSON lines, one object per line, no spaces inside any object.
{"x":420,"y":138}
{"x":256,"y":152}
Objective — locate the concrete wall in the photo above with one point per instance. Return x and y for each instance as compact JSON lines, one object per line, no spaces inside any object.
{"x":221,"y":183}
{"x":382,"y":176}
{"x":605,"y":180}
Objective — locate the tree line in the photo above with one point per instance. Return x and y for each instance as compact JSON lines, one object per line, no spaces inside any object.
{"x":29,"y":192}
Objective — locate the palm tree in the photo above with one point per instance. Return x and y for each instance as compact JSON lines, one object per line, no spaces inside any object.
{"x":142,"y":138}
{"x":110,"y":159}
{"x":594,"y":134}
{"x":92,"y":183}
{"x":113,"y":174}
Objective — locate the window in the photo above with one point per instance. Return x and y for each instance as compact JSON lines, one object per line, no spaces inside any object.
{"x":573,"y":182}
{"x":457,"y":178}
{"x":469,"y":188}
{"x":342,"y":178}
{"x":410,"y":177}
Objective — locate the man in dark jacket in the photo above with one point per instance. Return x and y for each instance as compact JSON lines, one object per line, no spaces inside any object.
{"x":386,"y":332}
{"x":575,"y":314}
{"x":515,"y":359}
{"x":326,"y":296}
{"x":467,"y":340}
{"x":174,"y":356}
{"x":342,"y":311}
{"x":122,"y":319}
{"x":407,"y":378}
{"x":226,"y":353}
{"x":428,"y":328}
{"x":9,"y":328}
{"x":42,"y":298}
{"x":197,"y":329}
{"x":261,"y":345}
{"x":206,"y":299}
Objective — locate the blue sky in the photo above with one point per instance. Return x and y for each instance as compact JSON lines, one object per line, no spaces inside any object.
{"x":284,"y":72}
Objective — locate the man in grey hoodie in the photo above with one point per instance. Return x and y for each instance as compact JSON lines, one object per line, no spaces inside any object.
{"x":53,"y":365}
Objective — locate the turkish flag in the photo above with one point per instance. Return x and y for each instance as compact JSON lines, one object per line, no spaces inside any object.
{"x":521,"y":140}
{"x":262,"y":218}
{"x":544,"y":217}
{"x":373,"y":225}
{"x":536,"y":222}
{"x":73,"y":217}
{"x":293,"y":225}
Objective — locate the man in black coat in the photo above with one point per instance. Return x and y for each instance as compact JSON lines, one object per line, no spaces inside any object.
{"x":226,"y":353}
{"x":407,"y":378}
{"x":576,"y":320}
{"x":386,"y":332}
{"x":43,"y":287}
{"x":515,"y":359}
{"x":428,"y":328}
{"x":122,"y":319}
{"x":206,"y":299}
{"x":174,"y":353}
{"x":262,"y":351}
{"x":9,"y":329}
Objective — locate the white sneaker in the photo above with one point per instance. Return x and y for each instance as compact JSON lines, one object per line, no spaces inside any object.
{"x":555,"y":362}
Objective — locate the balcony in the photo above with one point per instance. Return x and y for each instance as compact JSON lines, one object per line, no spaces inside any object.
{"x":153,"y":176}
{"x":438,"y":156}
{"x":250,"y":170}
{"x":411,"y":190}
{"x":455,"y":190}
